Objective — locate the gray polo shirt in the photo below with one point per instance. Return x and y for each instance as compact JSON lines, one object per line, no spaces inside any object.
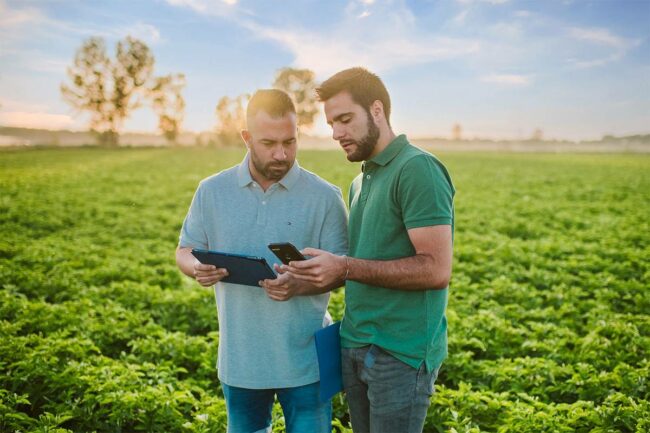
{"x":264,"y":343}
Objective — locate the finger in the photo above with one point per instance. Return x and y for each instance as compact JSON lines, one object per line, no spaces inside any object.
{"x":279,"y":269}
{"x":202,"y":267}
{"x":301,"y":264}
{"x":211,"y":274}
{"x":314,"y":252}
{"x":306,"y":277}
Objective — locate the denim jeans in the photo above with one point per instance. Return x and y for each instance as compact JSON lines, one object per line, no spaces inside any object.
{"x":384,"y":394}
{"x":249,"y":410}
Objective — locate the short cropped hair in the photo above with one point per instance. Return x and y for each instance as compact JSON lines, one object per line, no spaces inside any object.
{"x":363,"y":86}
{"x":272,"y":101}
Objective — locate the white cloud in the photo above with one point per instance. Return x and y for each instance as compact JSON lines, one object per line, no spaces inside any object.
{"x":353,"y":41}
{"x":459,"y":19}
{"x":29,"y":23}
{"x":600,"y":37}
{"x":221,"y":8}
{"x":507,"y":79}
{"x":328,"y":53}
{"x":35,"y":120}
{"x":145,"y":32}
{"x":16,"y":18}
{"x":492,"y":2}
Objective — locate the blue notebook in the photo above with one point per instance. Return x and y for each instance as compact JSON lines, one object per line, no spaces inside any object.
{"x":328,"y":349}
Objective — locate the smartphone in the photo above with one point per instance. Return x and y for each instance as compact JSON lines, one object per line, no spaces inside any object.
{"x":286,"y":252}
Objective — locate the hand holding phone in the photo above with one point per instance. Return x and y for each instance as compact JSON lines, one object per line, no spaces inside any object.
{"x":286,"y":252}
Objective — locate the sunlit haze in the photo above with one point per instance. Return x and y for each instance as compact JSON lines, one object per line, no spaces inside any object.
{"x":499,"y":68}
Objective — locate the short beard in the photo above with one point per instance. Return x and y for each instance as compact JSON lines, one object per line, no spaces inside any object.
{"x":367,"y":144}
{"x":267,"y":172}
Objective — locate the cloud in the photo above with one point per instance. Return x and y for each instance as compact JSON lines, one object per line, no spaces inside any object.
{"x":603,"y":38}
{"x":492,"y":2}
{"x":328,"y":53}
{"x":222,"y":8}
{"x":507,"y":79}
{"x":459,"y":19}
{"x":16,"y":18}
{"x":145,"y":32}
{"x":29,"y":23}
{"x":599,"y":36}
{"x":35,"y":120}
{"x":354,"y":40}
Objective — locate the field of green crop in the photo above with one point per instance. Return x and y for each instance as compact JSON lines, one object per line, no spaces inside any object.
{"x":549,"y":304}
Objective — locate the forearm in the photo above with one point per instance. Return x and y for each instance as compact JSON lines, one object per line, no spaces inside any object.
{"x":185,"y":261}
{"x":418,"y":272}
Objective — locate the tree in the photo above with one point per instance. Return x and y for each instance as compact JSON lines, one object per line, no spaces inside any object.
{"x":110,"y":89}
{"x":168,"y":103}
{"x":300,"y":84}
{"x":457,"y":132}
{"x":231,"y":119}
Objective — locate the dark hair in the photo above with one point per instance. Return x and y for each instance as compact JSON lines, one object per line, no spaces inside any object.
{"x":363,"y":86}
{"x":272,"y":101}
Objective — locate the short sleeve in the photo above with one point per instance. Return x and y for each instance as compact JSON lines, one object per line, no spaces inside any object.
{"x":193,"y":231}
{"x":425,"y":193}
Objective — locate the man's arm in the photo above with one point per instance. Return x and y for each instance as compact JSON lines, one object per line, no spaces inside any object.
{"x":205,"y":275}
{"x":429,"y":268}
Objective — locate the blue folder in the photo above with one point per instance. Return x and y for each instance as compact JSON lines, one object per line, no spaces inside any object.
{"x":328,"y":349}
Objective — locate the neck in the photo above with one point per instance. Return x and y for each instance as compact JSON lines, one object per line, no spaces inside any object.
{"x":263,"y":182}
{"x":386,"y":136}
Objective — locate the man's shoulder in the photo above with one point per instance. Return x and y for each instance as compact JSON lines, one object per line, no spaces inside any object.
{"x":221,"y":179}
{"x":413,"y":156}
{"x":315,"y":182}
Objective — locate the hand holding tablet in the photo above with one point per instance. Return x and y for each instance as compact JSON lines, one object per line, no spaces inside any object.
{"x":245,"y":270}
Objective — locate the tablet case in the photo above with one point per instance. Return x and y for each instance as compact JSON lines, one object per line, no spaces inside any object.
{"x":328,"y":351}
{"x":246,"y":270}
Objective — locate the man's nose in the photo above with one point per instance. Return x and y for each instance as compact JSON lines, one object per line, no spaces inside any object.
{"x":279,"y":153}
{"x":337,"y":132}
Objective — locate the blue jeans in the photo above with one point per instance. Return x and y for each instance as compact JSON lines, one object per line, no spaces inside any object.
{"x":249,"y":410}
{"x":384,"y":394}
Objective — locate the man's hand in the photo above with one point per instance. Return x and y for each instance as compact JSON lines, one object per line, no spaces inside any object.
{"x":324,"y":269}
{"x":283,"y":288}
{"x":205,"y":275}
{"x":208,"y":275}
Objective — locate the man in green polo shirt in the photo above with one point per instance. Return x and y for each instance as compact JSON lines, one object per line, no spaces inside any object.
{"x":394,"y":331}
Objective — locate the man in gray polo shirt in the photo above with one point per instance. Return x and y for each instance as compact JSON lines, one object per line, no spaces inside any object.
{"x":266,"y":346}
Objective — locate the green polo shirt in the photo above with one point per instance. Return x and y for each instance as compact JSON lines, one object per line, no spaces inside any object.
{"x":402,"y":188}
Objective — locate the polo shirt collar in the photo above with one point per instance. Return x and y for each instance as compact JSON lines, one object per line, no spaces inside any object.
{"x":391,"y":151}
{"x":244,"y":177}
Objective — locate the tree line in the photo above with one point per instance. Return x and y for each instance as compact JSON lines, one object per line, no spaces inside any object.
{"x":109,"y":89}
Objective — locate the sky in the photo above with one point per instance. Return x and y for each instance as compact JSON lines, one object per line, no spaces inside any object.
{"x":500,"y":68}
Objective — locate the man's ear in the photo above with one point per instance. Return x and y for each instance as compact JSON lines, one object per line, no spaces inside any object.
{"x":377,"y":111}
{"x":246,"y":136}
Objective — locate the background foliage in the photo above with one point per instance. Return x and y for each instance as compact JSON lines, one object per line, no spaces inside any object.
{"x":548,"y":310}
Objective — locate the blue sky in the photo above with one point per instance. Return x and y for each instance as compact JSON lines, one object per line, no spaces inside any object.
{"x":501,"y":68}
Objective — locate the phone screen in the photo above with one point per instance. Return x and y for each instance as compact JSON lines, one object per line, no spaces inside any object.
{"x":286,"y":252}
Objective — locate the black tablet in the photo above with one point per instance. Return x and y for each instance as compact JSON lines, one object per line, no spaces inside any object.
{"x":247,"y":270}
